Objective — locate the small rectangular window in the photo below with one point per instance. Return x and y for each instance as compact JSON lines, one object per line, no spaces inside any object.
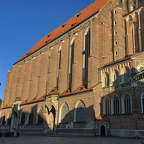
{"x":49,"y":59}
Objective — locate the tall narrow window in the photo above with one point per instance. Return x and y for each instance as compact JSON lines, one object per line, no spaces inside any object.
{"x":3,"y":120}
{"x":135,"y":37}
{"x":80,"y":112}
{"x":31,"y":116}
{"x":59,"y":59}
{"x":40,"y":116}
{"x":116,"y":77}
{"x":71,"y":61}
{"x":107,"y":82}
{"x":65,"y":114}
{"x":107,"y":106}
{"x":127,"y":75}
{"x":9,"y":120}
{"x":59,"y":66}
{"x":116,"y":105}
{"x":142,"y":103}
{"x":126,"y":104}
{"x":22,"y":122}
{"x":86,"y":54}
{"x":87,"y":42}
{"x":49,"y":62}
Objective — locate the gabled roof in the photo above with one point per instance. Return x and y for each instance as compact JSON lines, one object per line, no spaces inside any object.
{"x":102,"y":118}
{"x":71,"y":23}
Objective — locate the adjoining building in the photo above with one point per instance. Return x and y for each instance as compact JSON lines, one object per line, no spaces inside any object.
{"x":84,"y":77}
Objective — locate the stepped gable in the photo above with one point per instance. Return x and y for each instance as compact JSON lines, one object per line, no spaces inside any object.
{"x":71,"y":23}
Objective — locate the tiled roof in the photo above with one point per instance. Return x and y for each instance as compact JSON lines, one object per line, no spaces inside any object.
{"x":7,"y":106}
{"x":34,"y":100}
{"x":71,"y":23}
{"x":55,"y":91}
{"x":101,"y":117}
{"x":79,"y":90}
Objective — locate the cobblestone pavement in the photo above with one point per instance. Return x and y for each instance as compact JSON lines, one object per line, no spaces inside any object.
{"x":24,"y":139}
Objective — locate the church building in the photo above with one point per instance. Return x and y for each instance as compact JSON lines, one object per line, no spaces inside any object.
{"x":84,"y":77}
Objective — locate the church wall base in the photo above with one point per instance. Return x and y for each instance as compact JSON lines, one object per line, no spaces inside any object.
{"x":127,"y":133}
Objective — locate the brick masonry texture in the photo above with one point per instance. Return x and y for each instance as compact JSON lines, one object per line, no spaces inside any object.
{"x":37,"y":82}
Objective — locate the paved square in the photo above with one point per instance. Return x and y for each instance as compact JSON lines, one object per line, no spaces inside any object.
{"x":24,"y":139}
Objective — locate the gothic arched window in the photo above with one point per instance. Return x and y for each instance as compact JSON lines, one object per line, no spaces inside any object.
{"x":3,"y":120}
{"x":107,"y":106}
{"x":80,"y":112}
{"x":126,"y":104}
{"x":22,"y":122}
{"x":116,"y":77}
{"x":65,"y":114}
{"x":142,"y":103}
{"x":107,"y":79}
{"x":40,"y":116}
{"x":135,"y":37}
{"x":115,"y":105}
{"x":127,"y":75}
{"x":31,"y":116}
{"x":86,"y":54}
{"x":9,"y":120}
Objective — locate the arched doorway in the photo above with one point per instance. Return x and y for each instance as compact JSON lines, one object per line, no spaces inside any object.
{"x":51,"y":118}
{"x":102,"y":131}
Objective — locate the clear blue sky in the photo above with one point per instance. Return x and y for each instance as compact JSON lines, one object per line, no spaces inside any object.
{"x":24,"y":22}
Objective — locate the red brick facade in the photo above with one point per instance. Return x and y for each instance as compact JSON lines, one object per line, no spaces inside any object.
{"x":77,"y":78}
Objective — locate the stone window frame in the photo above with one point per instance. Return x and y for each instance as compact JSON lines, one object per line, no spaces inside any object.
{"x":135,"y":37}
{"x":142,"y":103}
{"x":115,"y":106}
{"x":127,"y":74}
{"x":87,"y":50}
{"x":3,"y":120}
{"x":9,"y":118}
{"x":30,"y":114}
{"x":65,"y":114}
{"x":59,"y":65}
{"x":105,"y":105}
{"x":126,"y":103}
{"x":39,"y":117}
{"x":80,"y":112}
{"x":59,"y":57}
{"x":115,"y":32}
{"x":116,"y":77}
{"x":22,"y":118}
{"x":71,"y":62}
{"x":49,"y":63}
{"x":107,"y":79}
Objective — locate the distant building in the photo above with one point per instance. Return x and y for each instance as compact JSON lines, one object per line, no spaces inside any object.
{"x":86,"y":76}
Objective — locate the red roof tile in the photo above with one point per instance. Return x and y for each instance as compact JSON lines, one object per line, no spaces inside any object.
{"x":53,"y":91}
{"x":101,"y":117}
{"x":74,"y":21}
{"x":7,"y":106}
{"x":34,"y":100}
{"x":78,"y":90}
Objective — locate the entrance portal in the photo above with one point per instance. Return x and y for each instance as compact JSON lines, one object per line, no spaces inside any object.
{"x":102,"y":131}
{"x":51,"y":118}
